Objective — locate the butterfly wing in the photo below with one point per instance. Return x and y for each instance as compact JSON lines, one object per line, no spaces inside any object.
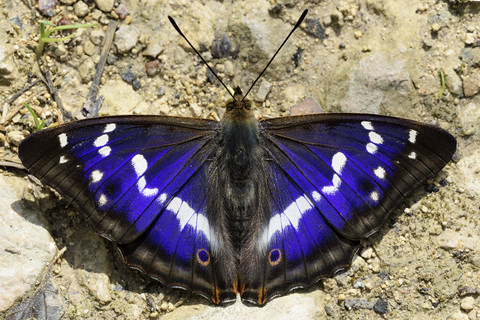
{"x":333,"y":179}
{"x":140,"y":182}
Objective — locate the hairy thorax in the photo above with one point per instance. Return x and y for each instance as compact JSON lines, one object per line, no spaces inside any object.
{"x":241,"y":157}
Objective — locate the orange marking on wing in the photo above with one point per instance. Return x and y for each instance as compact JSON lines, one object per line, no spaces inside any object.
{"x":216,"y":295}
{"x":262,"y":296}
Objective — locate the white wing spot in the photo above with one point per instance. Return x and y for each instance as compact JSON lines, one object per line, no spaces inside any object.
{"x":372,"y":148}
{"x":96,"y":176}
{"x":147,"y":192}
{"x":374,"y":196}
{"x":184,"y":214}
{"x":101,"y":141}
{"x":140,"y":164}
{"x":62,"y":160}
{"x":412,"y":155}
{"x":412,"y":136}
{"x":375,"y":137}
{"x":290,"y":216}
{"x":105,"y":151}
{"x":367,"y":125}
{"x":110,"y":127}
{"x":162,"y":198}
{"x":380,"y":172}
{"x":316,"y":196}
{"x":338,"y":162}
{"x":336,"y":181}
{"x":102,"y":200}
{"x":63,"y":139}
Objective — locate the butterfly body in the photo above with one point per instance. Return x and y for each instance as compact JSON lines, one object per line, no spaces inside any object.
{"x":240,"y":206}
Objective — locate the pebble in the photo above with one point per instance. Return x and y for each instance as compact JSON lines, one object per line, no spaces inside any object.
{"x":15,"y":137}
{"x":154,"y":49}
{"x":68,"y":2}
{"x":87,"y":70}
{"x":151,"y":67}
{"x":314,"y":28}
{"x":471,"y":84}
{"x":469,"y":117}
{"x":367,"y":253}
{"x":263,"y":90}
{"x":105,"y":5}
{"x":453,"y":82}
{"x":89,"y":48}
{"x":46,"y":6}
{"x":381,"y":306}
{"x":97,"y":35}
{"x":81,"y":9}
{"x":126,"y":37}
{"x":469,"y":38}
{"x":121,"y":11}
{"x":360,"y":303}
{"x":468,"y":303}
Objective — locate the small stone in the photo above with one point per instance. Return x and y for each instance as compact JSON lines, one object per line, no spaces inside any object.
{"x":469,"y":116}
{"x":470,"y":56}
{"x":68,"y":2}
{"x":315,"y":29}
{"x":367,"y":253}
{"x":96,"y":36}
{"x":164,"y":306}
{"x":453,"y":82}
{"x":46,"y":7}
{"x":263,"y":90}
{"x":471,"y":84}
{"x":87,"y":70}
{"x":196,"y":110}
{"x":229,"y":68}
{"x":341,"y":297}
{"x":307,"y":106}
{"x":358,"y":34}
{"x":151,"y":67}
{"x":15,"y":137}
{"x":436,"y":27}
{"x":81,"y":9}
{"x":126,"y":37}
{"x":468,"y":303}
{"x":105,"y":5}
{"x":153,"y":49}
{"x":359,"y":303}
{"x":469,"y":38}
{"x":121,"y":11}
{"x":381,"y":306}
{"x":89,"y":48}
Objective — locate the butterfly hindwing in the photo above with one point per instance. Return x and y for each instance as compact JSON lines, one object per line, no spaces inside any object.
{"x":140,"y":182}
{"x":333,"y":180}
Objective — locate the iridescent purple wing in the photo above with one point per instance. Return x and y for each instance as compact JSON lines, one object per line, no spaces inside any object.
{"x":333,"y":179}
{"x":140,"y":182}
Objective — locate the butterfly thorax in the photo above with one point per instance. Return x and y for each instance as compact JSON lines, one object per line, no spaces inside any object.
{"x":240,"y":157}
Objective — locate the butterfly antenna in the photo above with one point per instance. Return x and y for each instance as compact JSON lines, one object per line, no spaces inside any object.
{"x":198,"y":54}
{"x":268,"y":64}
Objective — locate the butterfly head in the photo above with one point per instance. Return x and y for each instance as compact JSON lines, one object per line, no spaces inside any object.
{"x":239,"y":107}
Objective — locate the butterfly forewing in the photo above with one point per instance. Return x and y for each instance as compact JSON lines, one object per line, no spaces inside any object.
{"x":140,"y":182}
{"x":334,"y":178}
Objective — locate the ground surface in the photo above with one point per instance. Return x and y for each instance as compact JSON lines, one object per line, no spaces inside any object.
{"x":381,"y":57}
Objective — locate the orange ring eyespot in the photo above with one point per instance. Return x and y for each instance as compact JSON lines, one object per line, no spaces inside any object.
{"x":274,"y":257}
{"x":203,"y":257}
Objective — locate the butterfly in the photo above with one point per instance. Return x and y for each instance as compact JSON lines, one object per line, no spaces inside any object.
{"x":237,"y":206}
